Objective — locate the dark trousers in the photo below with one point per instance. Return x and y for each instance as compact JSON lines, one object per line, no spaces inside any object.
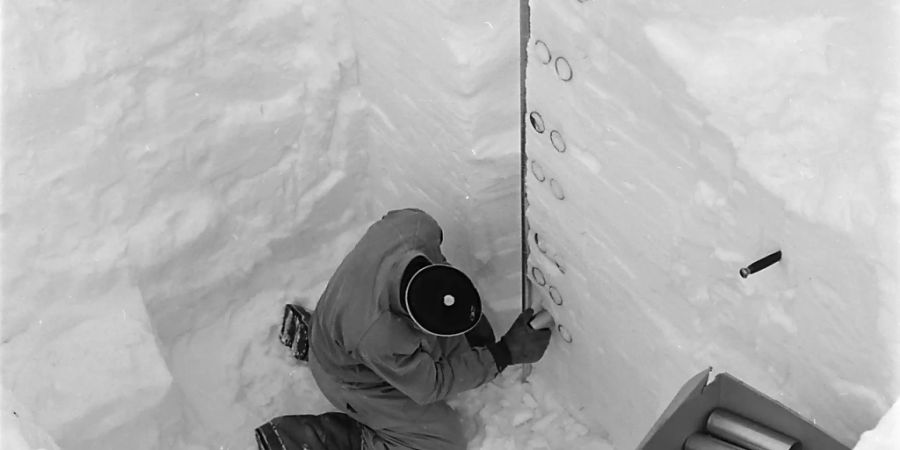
{"x":329,"y":431}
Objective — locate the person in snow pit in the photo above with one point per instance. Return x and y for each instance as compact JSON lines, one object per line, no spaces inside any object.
{"x":397,"y":331}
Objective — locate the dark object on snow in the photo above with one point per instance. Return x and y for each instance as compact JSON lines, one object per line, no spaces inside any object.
{"x":746,"y":433}
{"x":295,"y":331}
{"x":329,"y":431}
{"x":443,"y":301}
{"x":761,"y":264}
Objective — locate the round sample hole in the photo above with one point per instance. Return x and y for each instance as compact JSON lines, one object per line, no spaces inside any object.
{"x":557,"y":189}
{"x":542,"y":52}
{"x":556,"y":296}
{"x":537,"y":242}
{"x":564,"y":333}
{"x":563,"y":69}
{"x":537,"y":122}
{"x":558,"y":142}
{"x":538,"y":171}
{"x":538,"y":276}
{"x":449,"y":300}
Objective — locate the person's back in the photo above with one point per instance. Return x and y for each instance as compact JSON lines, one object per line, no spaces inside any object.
{"x":395,"y":333}
{"x":364,"y":287}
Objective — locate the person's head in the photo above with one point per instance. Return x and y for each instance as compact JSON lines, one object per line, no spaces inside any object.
{"x":439,"y":298}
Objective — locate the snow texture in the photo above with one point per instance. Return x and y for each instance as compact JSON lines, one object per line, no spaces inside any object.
{"x":174,"y":172}
{"x":886,"y":435}
{"x":681,"y":142}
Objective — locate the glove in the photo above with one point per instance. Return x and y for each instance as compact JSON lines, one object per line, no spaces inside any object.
{"x":521,"y":344}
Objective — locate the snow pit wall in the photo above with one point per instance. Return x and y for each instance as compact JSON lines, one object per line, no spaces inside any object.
{"x":441,"y":81}
{"x":671,"y":145}
{"x":171,"y":175}
{"x":174,"y":173}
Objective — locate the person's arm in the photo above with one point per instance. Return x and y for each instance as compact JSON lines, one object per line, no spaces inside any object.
{"x":399,"y":359}
{"x":482,"y":335}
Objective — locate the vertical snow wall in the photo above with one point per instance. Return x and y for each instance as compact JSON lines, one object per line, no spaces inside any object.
{"x":440,"y":79}
{"x":669,"y":146}
{"x":174,"y":173}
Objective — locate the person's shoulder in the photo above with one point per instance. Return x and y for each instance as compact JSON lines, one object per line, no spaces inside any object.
{"x":415,"y":222}
{"x":388,"y":335}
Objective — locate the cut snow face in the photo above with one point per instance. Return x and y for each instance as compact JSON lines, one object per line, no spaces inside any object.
{"x":801,"y":106}
{"x":671,"y":145}
{"x":174,"y":173}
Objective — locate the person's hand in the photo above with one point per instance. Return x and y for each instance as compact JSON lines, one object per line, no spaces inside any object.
{"x":525,"y":344}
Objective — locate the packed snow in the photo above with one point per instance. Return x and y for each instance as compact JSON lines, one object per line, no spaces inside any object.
{"x":173,"y":173}
{"x":672,"y":144}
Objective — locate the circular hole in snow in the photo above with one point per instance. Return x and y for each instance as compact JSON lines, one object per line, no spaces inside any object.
{"x":563,"y":69}
{"x":537,"y":122}
{"x":538,"y":276}
{"x":564,"y":333}
{"x":558,"y":142}
{"x":538,"y":171}
{"x":556,"y":296}
{"x":557,"y":189}
{"x":542,"y":52}
{"x":537,"y":242}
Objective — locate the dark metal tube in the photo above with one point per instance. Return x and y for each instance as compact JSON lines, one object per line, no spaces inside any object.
{"x":705,"y":442}
{"x":745,"y":433}
{"x":761,"y":264}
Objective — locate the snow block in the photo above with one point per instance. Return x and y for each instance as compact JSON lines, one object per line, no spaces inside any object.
{"x":689,"y":410}
{"x":84,"y":369}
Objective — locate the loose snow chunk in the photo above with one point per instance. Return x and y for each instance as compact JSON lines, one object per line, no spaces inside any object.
{"x":93,"y":376}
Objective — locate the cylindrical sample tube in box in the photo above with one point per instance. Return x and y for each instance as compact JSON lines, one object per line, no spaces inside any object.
{"x":746,"y":433}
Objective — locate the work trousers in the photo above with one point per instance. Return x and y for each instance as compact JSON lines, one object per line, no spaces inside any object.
{"x":329,"y":431}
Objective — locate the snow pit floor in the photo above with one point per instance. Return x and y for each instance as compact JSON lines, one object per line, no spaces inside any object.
{"x":508,"y":414}
{"x":251,"y":378}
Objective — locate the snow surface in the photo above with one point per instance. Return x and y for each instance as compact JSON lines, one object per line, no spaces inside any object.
{"x":173,"y":173}
{"x":886,"y":435}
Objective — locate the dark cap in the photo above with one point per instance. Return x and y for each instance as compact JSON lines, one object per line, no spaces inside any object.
{"x":443,"y":301}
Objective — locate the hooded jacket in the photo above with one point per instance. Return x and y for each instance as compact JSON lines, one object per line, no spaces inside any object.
{"x":368,"y":357}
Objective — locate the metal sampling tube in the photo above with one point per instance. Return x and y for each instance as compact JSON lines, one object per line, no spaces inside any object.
{"x":747,"y":434}
{"x":704,"y":442}
{"x":541,"y":320}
